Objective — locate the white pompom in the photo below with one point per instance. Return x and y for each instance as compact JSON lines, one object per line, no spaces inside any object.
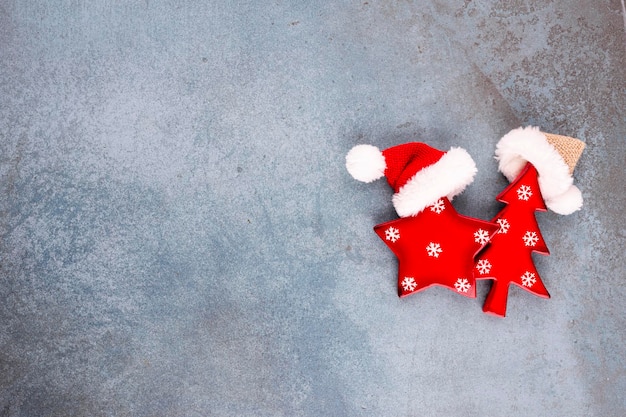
{"x":365,"y":163}
{"x":566,"y":203}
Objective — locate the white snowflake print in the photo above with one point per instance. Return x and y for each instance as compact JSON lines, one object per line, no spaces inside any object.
{"x":524,"y":193}
{"x":433,"y":249}
{"x":392,"y":234}
{"x":483,"y":266}
{"x":530,"y":238}
{"x":462,"y":285}
{"x":438,"y":207}
{"x":528,"y":279}
{"x":504,"y":225}
{"x":481,"y":236}
{"x":408,"y":284}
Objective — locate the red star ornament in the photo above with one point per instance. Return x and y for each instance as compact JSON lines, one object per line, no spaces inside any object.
{"x":436,"y":247}
{"x":508,"y":258}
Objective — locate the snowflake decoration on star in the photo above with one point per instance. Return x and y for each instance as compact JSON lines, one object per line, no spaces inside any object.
{"x":530,"y":238}
{"x":524,"y":192}
{"x":528,"y":279}
{"x":504,"y":226}
{"x":481,"y":236}
{"x":483,"y":266}
{"x":462,"y":285}
{"x":408,"y":284}
{"x":434,"y":249}
{"x":438,"y":207}
{"x":437,"y":249}
{"x":392,"y":234}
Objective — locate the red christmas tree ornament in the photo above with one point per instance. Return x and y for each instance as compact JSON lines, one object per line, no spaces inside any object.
{"x":508,"y":258}
{"x":540,"y":166}
{"x":434,"y":244}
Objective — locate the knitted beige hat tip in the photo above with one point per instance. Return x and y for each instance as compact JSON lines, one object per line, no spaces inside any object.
{"x":569,"y":148}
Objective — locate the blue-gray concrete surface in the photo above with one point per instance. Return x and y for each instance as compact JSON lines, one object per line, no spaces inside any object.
{"x":179,"y":235}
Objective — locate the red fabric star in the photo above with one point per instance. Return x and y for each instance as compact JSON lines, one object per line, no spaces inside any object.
{"x":436,"y":247}
{"x":508,"y":258}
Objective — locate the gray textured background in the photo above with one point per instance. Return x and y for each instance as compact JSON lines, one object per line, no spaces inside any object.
{"x":179,"y":236}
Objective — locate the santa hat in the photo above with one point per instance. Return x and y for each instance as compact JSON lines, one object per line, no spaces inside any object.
{"x":553,"y":156}
{"x":419,"y":174}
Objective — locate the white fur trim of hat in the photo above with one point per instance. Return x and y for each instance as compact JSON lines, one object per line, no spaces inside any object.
{"x":447,"y":177}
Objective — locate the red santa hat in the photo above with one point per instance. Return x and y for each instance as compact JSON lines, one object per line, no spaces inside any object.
{"x":419,"y":174}
{"x":553,"y":156}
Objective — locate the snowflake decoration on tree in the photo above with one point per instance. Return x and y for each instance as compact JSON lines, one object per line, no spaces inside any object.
{"x":408,"y":284}
{"x":392,"y":234}
{"x":504,"y":225}
{"x":530,"y":238}
{"x":528,"y":279}
{"x":462,"y":285}
{"x":433,"y":249}
{"x":524,"y":192}
{"x":481,"y":236}
{"x":438,"y":207}
{"x":483,"y":266}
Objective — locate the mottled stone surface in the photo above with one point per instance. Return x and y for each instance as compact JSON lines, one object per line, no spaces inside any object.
{"x":179,"y":236}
